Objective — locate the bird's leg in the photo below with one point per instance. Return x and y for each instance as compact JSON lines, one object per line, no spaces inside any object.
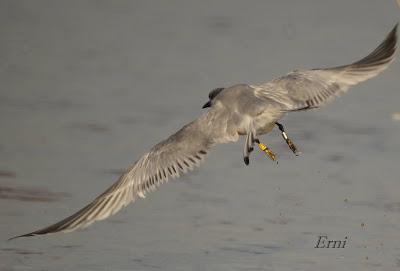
{"x":287,"y":139}
{"x":265,"y":149}
{"x":248,"y":148}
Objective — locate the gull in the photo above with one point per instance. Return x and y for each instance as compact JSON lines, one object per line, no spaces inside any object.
{"x":240,"y":110}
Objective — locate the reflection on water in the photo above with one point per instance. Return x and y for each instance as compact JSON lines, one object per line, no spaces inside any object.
{"x":7,"y":174}
{"x":21,"y":251}
{"x":30,"y":194}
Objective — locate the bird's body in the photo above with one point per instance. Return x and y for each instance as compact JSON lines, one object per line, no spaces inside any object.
{"x":248,"y":112}
{"x":239,"y":110}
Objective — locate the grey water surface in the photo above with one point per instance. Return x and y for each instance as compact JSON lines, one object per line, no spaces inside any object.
{"x":86,"y":87}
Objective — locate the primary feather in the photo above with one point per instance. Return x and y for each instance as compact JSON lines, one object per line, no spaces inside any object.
{"x":316,"y":87}
{"x":178,"y":154}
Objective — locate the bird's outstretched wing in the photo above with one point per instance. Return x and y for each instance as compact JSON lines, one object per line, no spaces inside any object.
{"x":181,"y":152}
{"x":313,"y":88}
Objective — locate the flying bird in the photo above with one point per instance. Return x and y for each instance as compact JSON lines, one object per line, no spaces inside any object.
{"x":239,"y":110}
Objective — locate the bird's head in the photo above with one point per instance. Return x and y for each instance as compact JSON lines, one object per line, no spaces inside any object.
{"x":213,"y":93}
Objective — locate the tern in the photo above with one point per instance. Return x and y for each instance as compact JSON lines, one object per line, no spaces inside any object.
{"x":239,"y":110}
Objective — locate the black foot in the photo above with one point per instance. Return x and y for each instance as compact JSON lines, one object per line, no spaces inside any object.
{"x":246,"y":160}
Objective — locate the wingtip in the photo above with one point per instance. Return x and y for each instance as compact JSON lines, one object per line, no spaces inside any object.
{"x":382,"y":55}
{"x":395,"y":27}
{"x":20,"y":236}
{"x":392,"y":38}
{"x":393,"y":32}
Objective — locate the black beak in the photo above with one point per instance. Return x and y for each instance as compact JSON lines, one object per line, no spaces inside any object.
{"x":207,"y":104}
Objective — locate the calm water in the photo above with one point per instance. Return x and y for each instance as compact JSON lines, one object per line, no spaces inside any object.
{"x":87,"y":87}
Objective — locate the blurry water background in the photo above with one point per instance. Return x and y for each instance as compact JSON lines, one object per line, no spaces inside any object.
{"x":86,"y":87}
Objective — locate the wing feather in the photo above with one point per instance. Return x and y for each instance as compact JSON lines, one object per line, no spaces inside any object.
{"x":178,"y":154}
{"x":313,"y":88}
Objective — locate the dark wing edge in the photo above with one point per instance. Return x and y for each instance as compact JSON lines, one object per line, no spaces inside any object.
{"x":381,"y":56}
{"x":308,"y":89}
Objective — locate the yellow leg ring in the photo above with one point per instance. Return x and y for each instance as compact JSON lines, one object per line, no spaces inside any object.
{"x":265,"y":149}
